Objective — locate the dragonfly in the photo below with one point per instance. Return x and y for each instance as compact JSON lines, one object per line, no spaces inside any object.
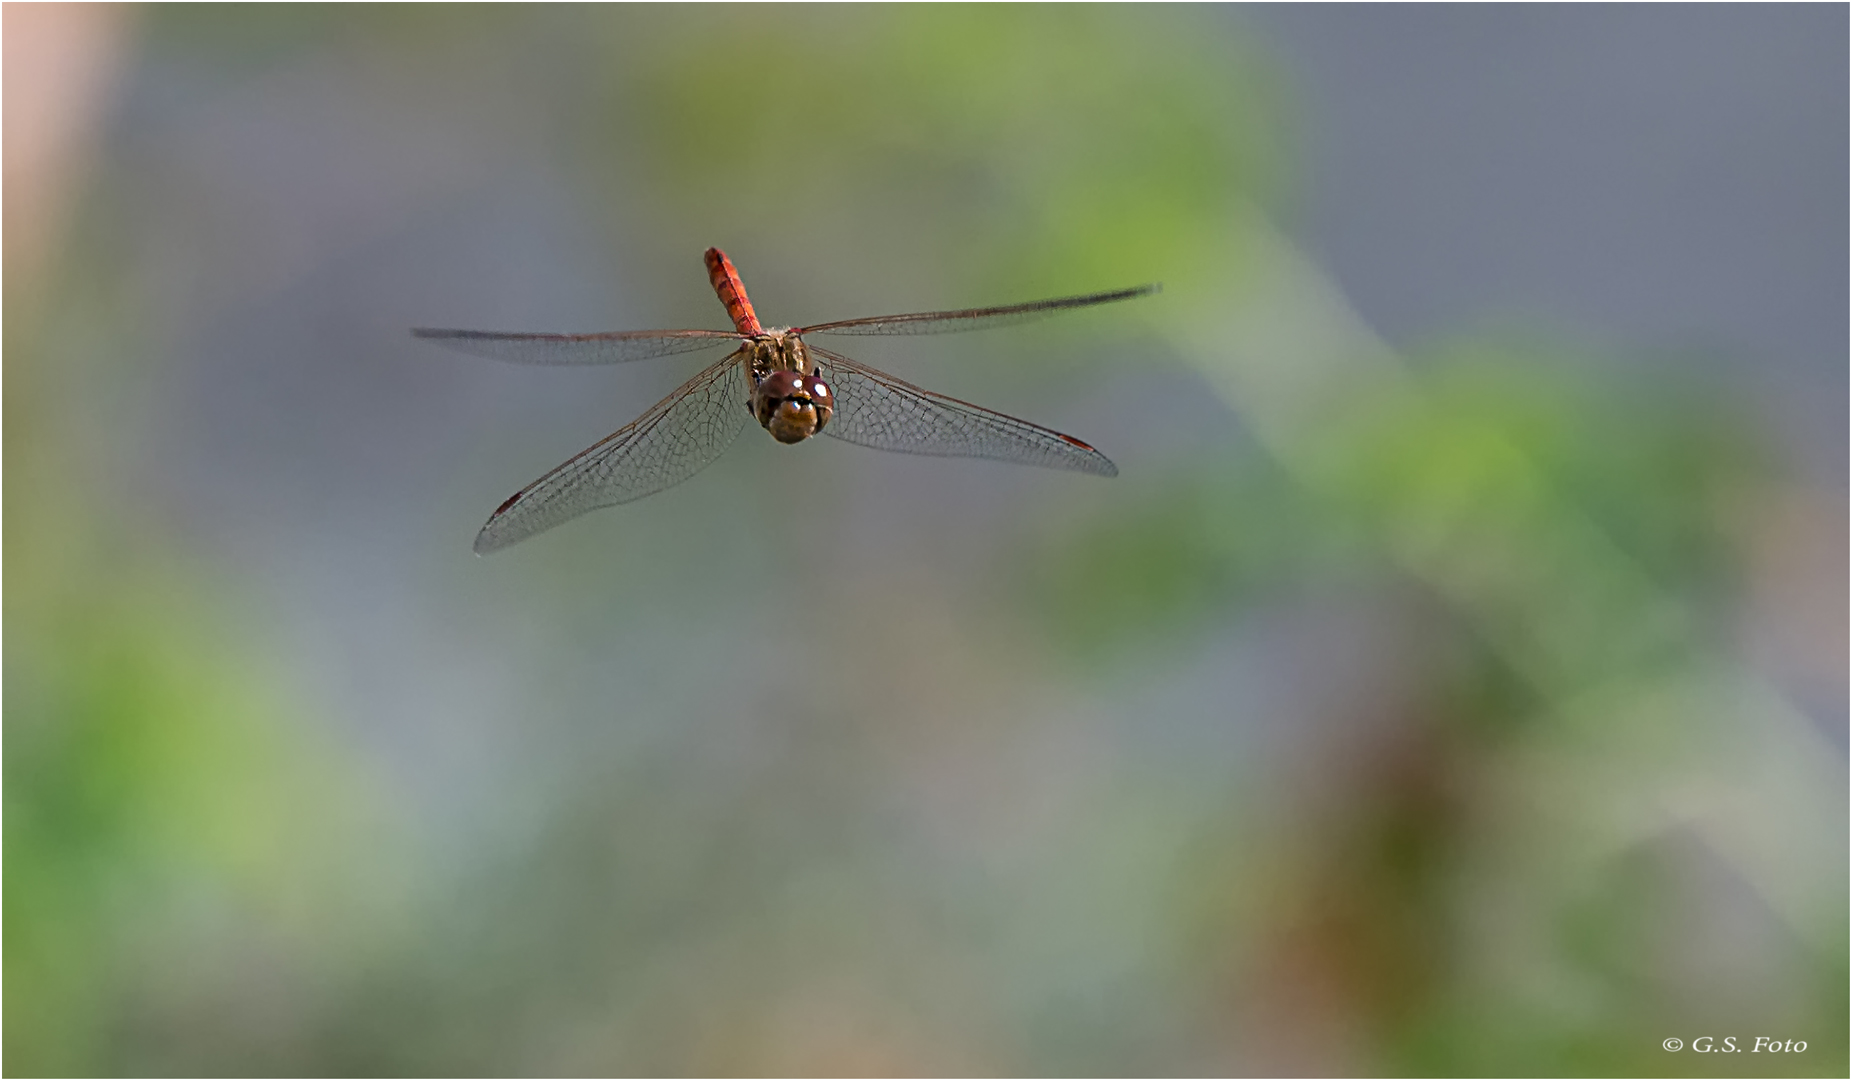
{"x":792,"y":388}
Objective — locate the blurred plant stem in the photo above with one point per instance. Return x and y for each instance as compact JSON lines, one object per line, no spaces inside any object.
{"x":1637,"y":726}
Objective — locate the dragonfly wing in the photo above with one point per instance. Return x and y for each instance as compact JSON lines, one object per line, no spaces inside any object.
{"x":675,"y":439}
{"x":940,"y":322}
{"x":875,"y":409}
{"x":613,"y":348}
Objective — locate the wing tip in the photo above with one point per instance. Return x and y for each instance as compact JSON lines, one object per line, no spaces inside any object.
{"x":1094,"y":462}
{"x":440,"y":333}
{"x":485,"y":543}
{"x":1136,"y":291}
{"x":446,"y":334}
{"x":488,"y":539}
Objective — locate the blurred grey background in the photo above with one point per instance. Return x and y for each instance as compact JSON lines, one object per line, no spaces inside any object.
{"x":1452,"y":682}
{"x":1665,"y":183}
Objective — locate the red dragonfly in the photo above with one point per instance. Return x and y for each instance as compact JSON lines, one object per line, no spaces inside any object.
{"x":792,"y":388}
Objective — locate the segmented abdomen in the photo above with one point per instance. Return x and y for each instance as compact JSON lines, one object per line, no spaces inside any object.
{"x":732,"y":293}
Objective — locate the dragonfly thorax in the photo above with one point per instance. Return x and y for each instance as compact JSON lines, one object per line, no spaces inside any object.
{"x":777,"y":350}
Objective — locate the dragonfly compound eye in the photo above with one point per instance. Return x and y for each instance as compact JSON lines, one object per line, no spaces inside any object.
{"x":793,"y":406}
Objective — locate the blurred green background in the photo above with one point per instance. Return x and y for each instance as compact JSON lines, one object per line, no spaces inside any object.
{"x":1452,"y":682}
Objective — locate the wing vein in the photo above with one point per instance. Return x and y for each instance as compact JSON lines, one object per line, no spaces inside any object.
{"x":939,"y":322}
{"x":879,"y":410}
{"x":674,"y":439}
{"x":575,"y":349}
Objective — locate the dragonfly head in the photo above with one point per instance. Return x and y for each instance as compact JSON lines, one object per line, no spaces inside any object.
{"x":792,"y":406}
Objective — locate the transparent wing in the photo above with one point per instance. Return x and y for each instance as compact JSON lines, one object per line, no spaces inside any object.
{"x":875,"y":409}
{"x":613,"y":348}
{"x":675,"y":439}
{"x":940,"y":322}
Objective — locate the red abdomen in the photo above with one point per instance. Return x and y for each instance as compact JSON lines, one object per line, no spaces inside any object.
{"x":732,"y":293}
